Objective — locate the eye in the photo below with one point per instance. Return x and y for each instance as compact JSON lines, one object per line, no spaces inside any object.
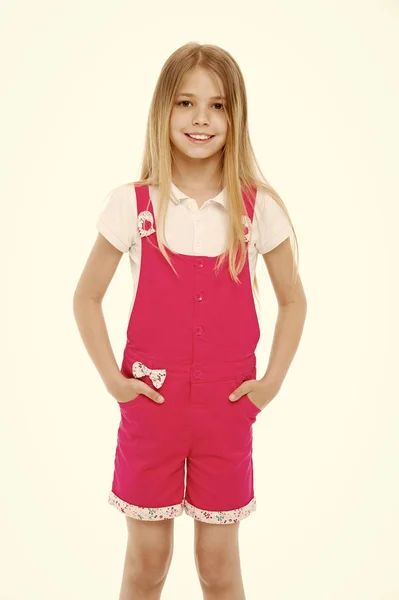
{"x":216,"y":104}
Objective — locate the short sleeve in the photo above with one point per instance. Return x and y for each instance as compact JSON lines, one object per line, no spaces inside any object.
{"x":117,"y":218}
{"x":274,"y":226}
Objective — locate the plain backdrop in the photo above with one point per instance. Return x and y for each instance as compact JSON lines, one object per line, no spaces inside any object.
{"x":322,"y":82}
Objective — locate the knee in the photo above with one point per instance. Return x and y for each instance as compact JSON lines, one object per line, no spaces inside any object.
{"x":148,"y":566}
{"x":215,"y":567}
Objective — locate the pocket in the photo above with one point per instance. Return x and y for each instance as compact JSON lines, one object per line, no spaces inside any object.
{"x":252,"y":404}
{"x":126,"y":372}
{"x":128,"y":401}
{"x":245,"y":398}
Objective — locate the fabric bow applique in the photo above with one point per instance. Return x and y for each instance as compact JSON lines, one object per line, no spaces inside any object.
{"x":145,"y":223}
{"x":247,"y":223}
{"x":157,"y":376}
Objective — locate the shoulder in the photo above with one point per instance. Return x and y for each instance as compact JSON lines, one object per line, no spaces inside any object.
{"x":121,"y":195}
{"x":118,"y":216}
{"x":271,"y":222}
{"x":265,"y":202}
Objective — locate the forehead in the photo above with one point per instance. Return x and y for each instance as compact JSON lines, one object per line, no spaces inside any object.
{"x":199,"y":82}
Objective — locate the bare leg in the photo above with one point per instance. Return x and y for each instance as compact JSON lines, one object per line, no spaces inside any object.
{"x":218,"y":561}
{"x":148,"y":556}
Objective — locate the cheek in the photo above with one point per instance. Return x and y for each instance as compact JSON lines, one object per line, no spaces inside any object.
{"x":177,"y":121}
{"x":222,"y":127}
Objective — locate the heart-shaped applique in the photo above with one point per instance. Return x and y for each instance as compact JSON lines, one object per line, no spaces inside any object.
{"x":145,"y":223}
{"x":247,"y":223}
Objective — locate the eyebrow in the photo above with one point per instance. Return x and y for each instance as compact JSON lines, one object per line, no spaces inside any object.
{"x":194,"y":96}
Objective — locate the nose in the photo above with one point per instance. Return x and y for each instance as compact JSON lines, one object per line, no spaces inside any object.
{"x":201,"y":117}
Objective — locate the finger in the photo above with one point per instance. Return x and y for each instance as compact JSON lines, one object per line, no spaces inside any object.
{"x":153,"y":394}
{"x":142,"y":388}
{"x":236,"y":394}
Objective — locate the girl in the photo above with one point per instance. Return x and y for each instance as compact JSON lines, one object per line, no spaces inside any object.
{"x":187,"y":391}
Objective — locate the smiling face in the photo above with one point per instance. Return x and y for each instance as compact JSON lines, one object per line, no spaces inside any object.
{"x":198,"y":108}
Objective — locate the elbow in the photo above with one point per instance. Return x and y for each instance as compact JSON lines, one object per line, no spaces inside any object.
{"x":81,"y":299}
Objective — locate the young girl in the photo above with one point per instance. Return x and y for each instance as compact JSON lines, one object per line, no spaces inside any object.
{"x":187,"y":390}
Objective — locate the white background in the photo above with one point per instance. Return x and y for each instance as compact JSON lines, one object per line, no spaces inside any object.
{"x":322,"y":82}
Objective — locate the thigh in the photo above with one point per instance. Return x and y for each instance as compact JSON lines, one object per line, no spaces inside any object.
{"x":150,"y":536}
{"x":149,"y":465}
{"x":220,"y":478}
{"x":216,"y":539}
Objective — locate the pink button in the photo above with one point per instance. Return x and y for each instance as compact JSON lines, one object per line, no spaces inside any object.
{"x":198,"y":330}
{"x":198,"y":297}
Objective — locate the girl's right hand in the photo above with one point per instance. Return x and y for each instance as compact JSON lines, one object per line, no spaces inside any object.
{"x":127,"y":389}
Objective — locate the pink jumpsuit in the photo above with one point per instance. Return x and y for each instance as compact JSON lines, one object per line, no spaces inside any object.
{"x":192,"y":337}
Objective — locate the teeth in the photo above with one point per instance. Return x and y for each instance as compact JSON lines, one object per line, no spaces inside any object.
{"x":200,"y":137}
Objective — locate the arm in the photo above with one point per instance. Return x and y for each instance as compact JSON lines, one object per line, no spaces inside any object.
{"x":93,"y":283}
{"x":292,"y":307}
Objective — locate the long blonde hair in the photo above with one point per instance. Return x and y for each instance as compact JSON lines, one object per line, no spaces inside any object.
{"x":239,"y":168}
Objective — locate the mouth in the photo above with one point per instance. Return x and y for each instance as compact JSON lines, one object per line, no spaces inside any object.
{"x":199,"y":140}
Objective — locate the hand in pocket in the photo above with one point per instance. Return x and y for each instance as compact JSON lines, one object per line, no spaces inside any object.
{"x":262,"y":392}
{"x":127,"y":389}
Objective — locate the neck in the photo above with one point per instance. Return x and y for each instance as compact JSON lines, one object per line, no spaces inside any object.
{"x":197,"y":174}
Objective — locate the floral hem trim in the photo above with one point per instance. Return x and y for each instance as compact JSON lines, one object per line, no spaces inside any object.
{"x":220,"y":516}
{"x":143,"y":513}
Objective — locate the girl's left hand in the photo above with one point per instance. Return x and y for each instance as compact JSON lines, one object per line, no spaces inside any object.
{"x":259,"y":392}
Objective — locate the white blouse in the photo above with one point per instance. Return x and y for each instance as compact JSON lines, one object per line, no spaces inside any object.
{"x":188,"y":228}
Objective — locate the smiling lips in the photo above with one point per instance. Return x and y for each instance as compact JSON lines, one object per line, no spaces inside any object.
{"x":199,"y":138}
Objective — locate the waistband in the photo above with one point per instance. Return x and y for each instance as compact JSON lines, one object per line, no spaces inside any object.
{"x":199,"y":371}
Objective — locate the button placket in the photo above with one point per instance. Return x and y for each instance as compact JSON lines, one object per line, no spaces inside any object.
{"x":197,"y":239}
{"x":198,"y":373}
{"x":198,"y":326}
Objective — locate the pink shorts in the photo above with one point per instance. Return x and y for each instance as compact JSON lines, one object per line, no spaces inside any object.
{"x":196,"y":432}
